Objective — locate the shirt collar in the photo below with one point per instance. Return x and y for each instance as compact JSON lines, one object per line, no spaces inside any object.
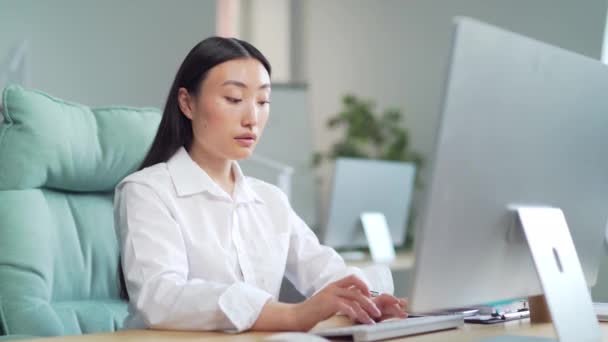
{"x":189,"y":179}
{"x":242,"y":189}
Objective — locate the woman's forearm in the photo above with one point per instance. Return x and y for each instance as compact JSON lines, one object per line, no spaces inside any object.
{"x":277,"y":316}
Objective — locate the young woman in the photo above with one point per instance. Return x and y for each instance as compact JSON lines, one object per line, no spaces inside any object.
{"x":203,"y":246}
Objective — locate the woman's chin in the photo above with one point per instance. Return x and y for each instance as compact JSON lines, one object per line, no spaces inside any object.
{"x":242,"y":153}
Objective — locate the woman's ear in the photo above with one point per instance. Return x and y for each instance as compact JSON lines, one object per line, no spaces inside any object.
{"x":184,"y":102}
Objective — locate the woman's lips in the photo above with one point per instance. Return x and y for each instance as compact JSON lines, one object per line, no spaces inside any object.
{"x":245,"y":142}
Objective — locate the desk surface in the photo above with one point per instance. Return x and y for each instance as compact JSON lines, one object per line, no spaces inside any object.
{"x":470,"y":332}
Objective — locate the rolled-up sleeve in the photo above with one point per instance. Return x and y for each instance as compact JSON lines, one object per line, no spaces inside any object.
{"x":312,"y":266}
{"x":155,"y":265}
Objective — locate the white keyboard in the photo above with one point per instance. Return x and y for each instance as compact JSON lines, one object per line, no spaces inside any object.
{"x":395,"y":328}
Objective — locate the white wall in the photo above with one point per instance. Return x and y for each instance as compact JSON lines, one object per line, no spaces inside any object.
{"x":396,"y":51}
{"x":106,"y":52}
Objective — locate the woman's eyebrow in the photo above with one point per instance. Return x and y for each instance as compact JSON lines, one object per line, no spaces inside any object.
{"x":243,"y":85}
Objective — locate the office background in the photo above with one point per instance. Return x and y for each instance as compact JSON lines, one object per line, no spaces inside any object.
{"x":392,"y":51}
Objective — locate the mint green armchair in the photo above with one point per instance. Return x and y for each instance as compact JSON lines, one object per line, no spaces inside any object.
{"x":59,"y":255}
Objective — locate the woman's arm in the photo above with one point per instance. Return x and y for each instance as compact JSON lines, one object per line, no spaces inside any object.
{"x":277,"y":316}
{"x":156,"y":270}
{"x":311,"y":266}
{"x":349,"y":295}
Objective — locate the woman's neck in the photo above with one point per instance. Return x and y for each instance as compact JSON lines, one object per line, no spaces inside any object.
{"x":219,"y":169}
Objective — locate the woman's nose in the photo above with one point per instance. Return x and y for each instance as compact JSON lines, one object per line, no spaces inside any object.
{"x":250,"y":117}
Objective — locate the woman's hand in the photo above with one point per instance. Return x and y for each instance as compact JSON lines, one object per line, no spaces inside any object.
{"x":391,"y":307}
{"x":349,"y":296}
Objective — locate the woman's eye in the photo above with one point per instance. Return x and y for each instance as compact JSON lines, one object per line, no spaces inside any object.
{"x":264,"y":102}
{"x":232,"y":99}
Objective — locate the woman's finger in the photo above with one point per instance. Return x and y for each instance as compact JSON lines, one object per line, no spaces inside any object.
{"x":390,"y":306}
{"x":353,"y":281}
{"x":385,"y":300}
{"x":392,"y":314}
{"x":403,"y":303}
{"x":347,"y":310}
{"x":393,"y":311}
{"x":366,"y":303}
{"x":362,"y":315}
{"x":396,"y":311}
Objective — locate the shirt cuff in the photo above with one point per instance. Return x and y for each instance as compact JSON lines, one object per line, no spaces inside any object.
{"x":379,"y":278}
{"x":242,"y":305}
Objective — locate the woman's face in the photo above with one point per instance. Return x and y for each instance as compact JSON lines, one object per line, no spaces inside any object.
{"x":231,"y":109}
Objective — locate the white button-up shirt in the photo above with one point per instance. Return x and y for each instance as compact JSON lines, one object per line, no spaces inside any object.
{"x":196,"y":258}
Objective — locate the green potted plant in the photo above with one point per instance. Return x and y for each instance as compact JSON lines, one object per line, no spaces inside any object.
{"x":371,"y":135}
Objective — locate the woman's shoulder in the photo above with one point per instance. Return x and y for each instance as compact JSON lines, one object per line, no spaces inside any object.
{"x":155,"y":176}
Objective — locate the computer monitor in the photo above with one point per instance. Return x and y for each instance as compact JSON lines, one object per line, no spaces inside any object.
{"x":363,"y":185}
{"x":523,"y":123}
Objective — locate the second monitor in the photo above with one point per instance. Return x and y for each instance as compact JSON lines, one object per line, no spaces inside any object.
{"x":362,"y":185}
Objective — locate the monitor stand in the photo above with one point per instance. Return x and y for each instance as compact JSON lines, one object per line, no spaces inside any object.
{"x":560,"y":274}
{"x":378,"y":238}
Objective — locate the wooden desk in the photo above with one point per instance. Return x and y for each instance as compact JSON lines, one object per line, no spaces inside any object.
{"x":403,"y":262}
{"x":470,"y":332}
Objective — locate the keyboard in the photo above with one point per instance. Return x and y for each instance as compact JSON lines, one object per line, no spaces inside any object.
{"x":395,"y":328}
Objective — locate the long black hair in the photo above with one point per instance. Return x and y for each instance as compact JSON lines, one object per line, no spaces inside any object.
{"x":175,"y":129}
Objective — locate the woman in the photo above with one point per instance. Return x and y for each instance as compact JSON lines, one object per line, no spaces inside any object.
{"x":204,"y":247}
